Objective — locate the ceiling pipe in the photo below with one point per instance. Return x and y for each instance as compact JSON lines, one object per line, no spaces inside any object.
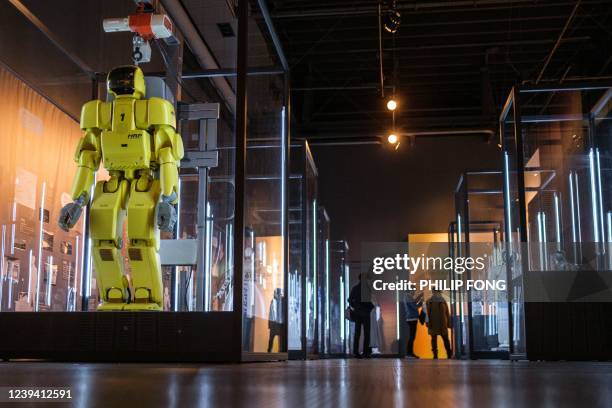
{"x":199,"y":48}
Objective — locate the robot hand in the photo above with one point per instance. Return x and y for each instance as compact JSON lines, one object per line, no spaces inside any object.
{"x":166,"y":213}
{"x":70,"y":213}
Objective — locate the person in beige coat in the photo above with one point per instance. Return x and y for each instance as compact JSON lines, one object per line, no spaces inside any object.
{"x":439,"y":322}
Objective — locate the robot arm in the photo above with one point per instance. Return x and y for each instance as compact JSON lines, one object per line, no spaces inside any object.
{"x":169,"y":152}
{"x":87,"y":156}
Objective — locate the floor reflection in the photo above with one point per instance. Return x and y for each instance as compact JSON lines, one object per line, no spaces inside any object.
{"x":324,"y":383}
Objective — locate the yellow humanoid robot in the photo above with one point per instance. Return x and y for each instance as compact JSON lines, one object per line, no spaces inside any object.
{"x":137,"y":141}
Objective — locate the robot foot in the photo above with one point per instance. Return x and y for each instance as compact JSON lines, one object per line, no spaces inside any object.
{"x":153,"y":307}
{"x":111,"y":307}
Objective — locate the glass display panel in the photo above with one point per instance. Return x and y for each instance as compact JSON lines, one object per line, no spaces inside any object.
{"x":264,"y":289}
{"x":40,"y":266}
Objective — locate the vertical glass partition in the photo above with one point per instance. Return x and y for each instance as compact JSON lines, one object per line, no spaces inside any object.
{"x":302,"y":198}
{"x":40,"y":264}
{"x":338,"y":264}
{"x":264,"y":270}
{"x":513,"y":183}
{"x":481,"y":329}
{"x":459,"y":248}
{"x":296,"y":230}
{"x":323,"y":283}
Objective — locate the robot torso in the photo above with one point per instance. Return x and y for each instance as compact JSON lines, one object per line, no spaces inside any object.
{"x":127,"y":129}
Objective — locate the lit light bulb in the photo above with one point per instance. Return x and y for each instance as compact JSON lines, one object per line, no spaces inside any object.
{"x":391,"y":105}
{"x":392,"y":138}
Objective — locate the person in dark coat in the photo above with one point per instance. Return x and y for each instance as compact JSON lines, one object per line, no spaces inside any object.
{"x":361,"y":308}
{"x":412,"y":304}
{"x":439,"y":322}
{"x":275,"y":319}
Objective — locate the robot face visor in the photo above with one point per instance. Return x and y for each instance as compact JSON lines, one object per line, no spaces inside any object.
{"x":121,"y":80}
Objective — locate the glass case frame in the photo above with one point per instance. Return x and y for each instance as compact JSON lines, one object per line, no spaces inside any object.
{"x":478,"y":221}
{"x":528,"y":109}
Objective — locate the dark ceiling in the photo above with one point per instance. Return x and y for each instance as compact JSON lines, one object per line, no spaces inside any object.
{"x":452,"y":62}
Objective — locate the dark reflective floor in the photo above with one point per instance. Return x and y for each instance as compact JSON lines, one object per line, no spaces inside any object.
{"x":325,"y":383}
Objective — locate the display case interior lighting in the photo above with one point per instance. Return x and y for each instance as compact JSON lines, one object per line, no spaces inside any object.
{"x":2,"y":258}
{"x":575,"y":207}
{"x":507,"y":196}
{"x":314,"y":255}
{"x":397,"y":311}
{"x":49,"y":280}
{"x":346,"y":323}
{"x":327,"y":311}
{"x":87,"y":278}
{"x":30,"y":276}
{"x":392,"y":104}
{"x":557,"y":217}
{"x":284,"y":147}
{"x":596,"y":205}
{"x":392,"y":139}
{"x":207,"y":258}
{"x":40,"y":245}
{"x":541,"y":218}
{"x":609,"y":219}
{"x":77,"y":270}
{"x":177,"y":269}
{"x":13,"y":227}
{"x":342,"y":309}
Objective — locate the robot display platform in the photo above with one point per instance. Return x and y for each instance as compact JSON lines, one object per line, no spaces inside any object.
{"x":121,"y":336}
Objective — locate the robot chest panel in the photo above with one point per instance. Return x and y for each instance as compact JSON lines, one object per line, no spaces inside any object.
{"x":126,"y":150}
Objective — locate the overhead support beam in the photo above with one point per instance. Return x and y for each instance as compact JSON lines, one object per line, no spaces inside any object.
{"x":367,"y":136}
{"x":559,"y":40}
{"x":53,"y":38}
{"x":263,"y":7}
{"x":417,"y":48}
{"x":410,"y":110}
{"x":450,"y":132}
{"x":223,"y":72}
{"x":424,"y":7}
{"x":199,"y":48}
{"x":328,"y":143}
{"x":339,"y":88}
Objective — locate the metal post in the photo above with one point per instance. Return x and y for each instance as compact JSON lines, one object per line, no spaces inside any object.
{"x":380,"y":52}
{"x":286,"y":143}
{"x":520,"y":174}
{"x":305,"y":257}
{"x":201,"y":290}
{"x":507,"y":229}
{"x":241,"y":136}
{"x":85,"y":270}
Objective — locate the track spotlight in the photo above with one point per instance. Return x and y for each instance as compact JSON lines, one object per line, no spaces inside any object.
{"x":392,"y":20}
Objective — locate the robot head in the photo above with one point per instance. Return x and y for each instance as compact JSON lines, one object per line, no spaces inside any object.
{"x":126,"y":81}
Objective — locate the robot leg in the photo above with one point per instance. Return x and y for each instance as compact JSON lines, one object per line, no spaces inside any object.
{"x":106,"y":221}
{"x":143,"y":236}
